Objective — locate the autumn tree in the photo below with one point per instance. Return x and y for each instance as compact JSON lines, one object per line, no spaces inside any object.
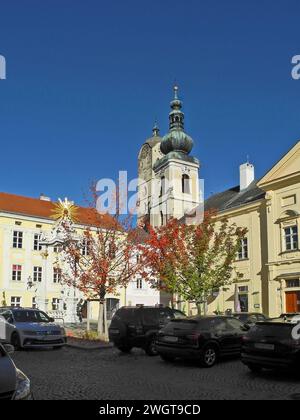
{"x":103,"y":259}
{"x":193,"y":261}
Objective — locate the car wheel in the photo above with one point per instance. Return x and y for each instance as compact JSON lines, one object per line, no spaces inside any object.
{"x":124,"y":348}
{"x":209,"y":357}
{"x":15,"y":341}
{"x":167,"y":358}
{"x":254,"y":368}
{"x":151,"y":347}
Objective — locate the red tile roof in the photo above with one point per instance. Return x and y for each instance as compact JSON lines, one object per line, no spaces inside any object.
{"x":35,"y":207}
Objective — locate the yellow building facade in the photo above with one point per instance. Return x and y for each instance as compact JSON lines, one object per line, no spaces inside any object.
{"x":269,"y":260}
{"x":30,"y":272}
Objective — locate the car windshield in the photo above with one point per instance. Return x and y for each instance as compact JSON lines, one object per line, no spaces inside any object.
{"x":30,"y":316}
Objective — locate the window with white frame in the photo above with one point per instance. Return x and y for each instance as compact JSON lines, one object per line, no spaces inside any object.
{"x":37,"y":274}
{"x":16,"y":272}
{"x":139,"y":283}
{"x":36,"y":242}
{"x":243,"y":251}
{"x":55,"y":304}
{"x":85,"y":248}
{"x":15,"y":301}
{"x":17,"y":239}
{"x":57,"y":275}
{"x":291,"y":238}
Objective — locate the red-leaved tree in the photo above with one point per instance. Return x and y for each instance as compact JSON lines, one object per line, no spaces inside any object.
{"x":103,"y":259}
{"x":193,"y":261}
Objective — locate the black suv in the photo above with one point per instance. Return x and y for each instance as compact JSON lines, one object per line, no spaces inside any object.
{"x":138,"y":327}
{"x":205,"y":339}
{"x":272,"y":344}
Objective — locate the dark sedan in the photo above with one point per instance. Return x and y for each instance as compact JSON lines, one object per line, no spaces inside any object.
{"x":272,"y":344}
{"x":249,"y":318}
{"x":202,"y":338}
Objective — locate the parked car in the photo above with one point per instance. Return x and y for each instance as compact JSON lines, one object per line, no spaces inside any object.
{"x":29,"y":328}
{"x":290,"y":316}
{"x":250,"y":318}
{"x":5,"y":330}
{"x":270,"y":344}
{"x":14,"y":385}
{"x":205,"y":339}
{"x":138,"y":326}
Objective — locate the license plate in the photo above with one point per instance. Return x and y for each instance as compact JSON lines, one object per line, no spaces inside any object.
{"x":170,"y":339}
{"x":263,"y":346}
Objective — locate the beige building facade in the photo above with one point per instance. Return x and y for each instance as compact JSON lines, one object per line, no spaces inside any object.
{"x":269,"y":259}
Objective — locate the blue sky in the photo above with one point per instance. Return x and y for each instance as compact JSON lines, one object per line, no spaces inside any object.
{"x":87,"y":79}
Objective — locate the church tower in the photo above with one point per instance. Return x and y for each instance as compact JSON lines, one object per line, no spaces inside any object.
{"x":149,"y":154}
{"x":168,"y":175}
{"x":176,"y":172}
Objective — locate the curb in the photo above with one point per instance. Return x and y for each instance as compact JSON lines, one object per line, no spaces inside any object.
{"x":78,"y":347}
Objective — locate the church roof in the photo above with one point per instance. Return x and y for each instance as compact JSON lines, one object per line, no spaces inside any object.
{"x":234,"y":198}
{"x":35,"y":207}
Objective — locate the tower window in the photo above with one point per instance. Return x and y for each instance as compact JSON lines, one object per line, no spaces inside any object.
{"x":186,"y":184}
{"x":162,"y":186}
{"x":162,"y":221}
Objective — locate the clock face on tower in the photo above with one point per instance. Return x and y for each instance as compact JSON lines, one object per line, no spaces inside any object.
{"x":145,"y":163}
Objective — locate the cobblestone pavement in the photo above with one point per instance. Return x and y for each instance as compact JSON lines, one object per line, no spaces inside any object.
{"x":78,"y":374}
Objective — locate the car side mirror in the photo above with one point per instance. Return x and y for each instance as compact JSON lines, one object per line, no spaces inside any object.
{"x":51,"y":319}
{"x":9,"y":348}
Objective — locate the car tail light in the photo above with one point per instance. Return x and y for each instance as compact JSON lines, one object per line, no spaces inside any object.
{"x":245,"y":339}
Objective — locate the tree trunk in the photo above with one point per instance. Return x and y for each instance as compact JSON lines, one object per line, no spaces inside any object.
{"x":199,"y":310}
{"x":102,"y":318}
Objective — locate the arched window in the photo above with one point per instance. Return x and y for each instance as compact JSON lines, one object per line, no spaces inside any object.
{"x":186,"y":184}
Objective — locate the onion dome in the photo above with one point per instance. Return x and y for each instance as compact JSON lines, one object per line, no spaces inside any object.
{"x":176,"y":140}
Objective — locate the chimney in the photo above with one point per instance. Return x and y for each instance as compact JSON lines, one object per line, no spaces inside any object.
{"x":43,"y":197}
{"x":247,"y":175}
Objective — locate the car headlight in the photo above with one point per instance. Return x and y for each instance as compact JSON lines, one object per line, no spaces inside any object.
{"x":22,"y":386}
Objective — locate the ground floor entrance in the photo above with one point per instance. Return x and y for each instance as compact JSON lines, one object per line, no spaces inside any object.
{"x":292,"y":302}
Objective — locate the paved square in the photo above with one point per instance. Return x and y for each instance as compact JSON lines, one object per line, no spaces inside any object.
{"x":76,"y":374}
